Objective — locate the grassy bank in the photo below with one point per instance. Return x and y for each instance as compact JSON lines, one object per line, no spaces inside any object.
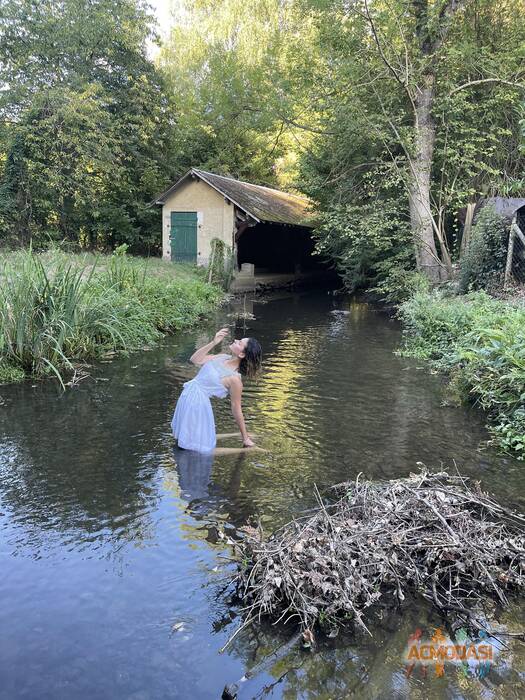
{"x":58,"y":309}
{"x":480,"y":342}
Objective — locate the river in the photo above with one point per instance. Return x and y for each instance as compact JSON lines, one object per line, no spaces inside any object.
{"x":112,"y":562}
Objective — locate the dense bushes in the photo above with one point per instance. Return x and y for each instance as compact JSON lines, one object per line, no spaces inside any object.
{"x":87,"y":125}
{"x":57,"y":309}
{"x":483,"y":264}
{"x":369,"y":243}
{"x":480,"y":341}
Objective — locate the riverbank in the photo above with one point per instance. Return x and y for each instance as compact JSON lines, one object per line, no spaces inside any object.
{"x":93,"y":499}
{"x":479,"y":342}
{"x":59,"y":310}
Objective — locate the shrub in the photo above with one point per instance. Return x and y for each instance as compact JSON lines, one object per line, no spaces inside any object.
{"x":368,"y":242}
{"x":400,"y":285}
{"x":483,"y":264}
{"x":480,"y":341}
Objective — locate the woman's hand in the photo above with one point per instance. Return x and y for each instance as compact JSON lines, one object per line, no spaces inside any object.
{"x":220,"y":335}
{"x":248,"y":442}
{"x":201,"y":355}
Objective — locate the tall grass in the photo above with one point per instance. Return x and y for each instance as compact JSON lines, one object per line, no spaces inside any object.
{"x":57,"y":310}
{"x":480,"y":342}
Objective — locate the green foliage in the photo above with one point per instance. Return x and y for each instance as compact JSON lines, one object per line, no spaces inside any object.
{"x":483,"y":264}
{"x":366,"y":121}
{"x":481,"y":342}
{"x":229,"y":65}
{"x":57,"y":310}
{"x":85,"y":124}
{"x":221,"y":264}
{"x":400,"y":285}
{"x":369,"y":242}
{"x":38,"y":314}
{"x":177,"y":304}
{"x":9,"y":373}
{"x":291,"y":94}
{"x":119,"y":275}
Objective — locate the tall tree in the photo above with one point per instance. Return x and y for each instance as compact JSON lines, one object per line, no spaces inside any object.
{"x":401,"y":103}
{"x":221,"y":60}
{"x":434,"y":84}
{"x":84,"y":120}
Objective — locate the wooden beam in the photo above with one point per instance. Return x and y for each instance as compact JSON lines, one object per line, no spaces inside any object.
{"x":518,"y":232}
{"x":465,"y":238}
{"x":510,"y":252}
{"x":242,"y":226}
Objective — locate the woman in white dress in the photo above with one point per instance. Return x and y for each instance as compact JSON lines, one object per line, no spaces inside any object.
{"x":193,"y":424}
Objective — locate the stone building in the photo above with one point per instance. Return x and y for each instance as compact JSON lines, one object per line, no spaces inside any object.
{"x":267,"y":231}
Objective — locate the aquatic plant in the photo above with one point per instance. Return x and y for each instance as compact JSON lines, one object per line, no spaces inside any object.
{"x":38,"y":313}
{"x":60,"y":309}
{"x":480,"y":342}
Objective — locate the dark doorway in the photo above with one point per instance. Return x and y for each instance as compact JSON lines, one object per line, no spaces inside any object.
{"x":278,"y":248}
{"x":520,"y":218}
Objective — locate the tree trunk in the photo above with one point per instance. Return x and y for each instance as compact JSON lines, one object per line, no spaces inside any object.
{"x":427,"y":258}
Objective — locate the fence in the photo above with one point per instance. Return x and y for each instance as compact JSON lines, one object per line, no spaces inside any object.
{"x":515,"y":267}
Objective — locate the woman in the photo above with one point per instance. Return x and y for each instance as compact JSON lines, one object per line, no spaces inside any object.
{"x":193,"y":424}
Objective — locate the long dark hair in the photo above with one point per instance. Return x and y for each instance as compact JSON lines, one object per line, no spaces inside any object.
{"x":250,"y":364}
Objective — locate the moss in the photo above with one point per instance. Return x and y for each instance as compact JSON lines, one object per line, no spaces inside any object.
{"x":9,"y":373}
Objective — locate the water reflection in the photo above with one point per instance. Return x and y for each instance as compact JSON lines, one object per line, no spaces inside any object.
{"x":194,"y":470}
{"x":203,"y":495}
{"x":91,"y":476}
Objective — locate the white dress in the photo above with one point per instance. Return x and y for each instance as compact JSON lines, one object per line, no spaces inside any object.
{"x":193,"y":424}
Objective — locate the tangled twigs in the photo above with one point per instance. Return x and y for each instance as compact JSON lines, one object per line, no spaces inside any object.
{"x":431,"y":535}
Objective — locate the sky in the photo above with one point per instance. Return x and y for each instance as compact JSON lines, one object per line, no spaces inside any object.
{"x":162,"y":9}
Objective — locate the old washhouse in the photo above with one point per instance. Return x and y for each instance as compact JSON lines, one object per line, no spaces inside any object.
{"x":268,"y":231}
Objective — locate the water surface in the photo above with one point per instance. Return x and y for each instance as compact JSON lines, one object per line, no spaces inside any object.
{"x":112,"y":564}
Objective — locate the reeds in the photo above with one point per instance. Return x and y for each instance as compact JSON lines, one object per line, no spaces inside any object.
{"x":58,"y":310}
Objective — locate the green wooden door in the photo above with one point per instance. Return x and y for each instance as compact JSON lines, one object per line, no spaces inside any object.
{"x":183,"y":236}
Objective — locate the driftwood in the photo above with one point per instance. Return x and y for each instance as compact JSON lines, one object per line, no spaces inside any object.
{"x":429,"y":535}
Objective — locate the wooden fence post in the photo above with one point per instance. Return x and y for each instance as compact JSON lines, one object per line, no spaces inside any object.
{"x":212,"y":260}
{"x":510,"y":253}
{"x":467,"y":228}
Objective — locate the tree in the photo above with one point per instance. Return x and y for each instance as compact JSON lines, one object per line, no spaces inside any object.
{"x":434,"y":87}
{"x":84,"y":122}
{"x":221,"y":62}
{"x":391,"y":104}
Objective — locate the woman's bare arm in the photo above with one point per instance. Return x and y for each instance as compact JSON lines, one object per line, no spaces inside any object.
{"x":235,"y":386}
{"x":201,"y":355}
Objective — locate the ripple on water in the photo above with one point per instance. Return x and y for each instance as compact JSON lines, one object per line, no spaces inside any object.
{"x":110,"y":542}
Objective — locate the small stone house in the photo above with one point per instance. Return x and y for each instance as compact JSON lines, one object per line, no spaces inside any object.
{"x":262,"y":226}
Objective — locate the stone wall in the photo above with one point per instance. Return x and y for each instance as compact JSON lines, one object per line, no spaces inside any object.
{"x":215,"y":217}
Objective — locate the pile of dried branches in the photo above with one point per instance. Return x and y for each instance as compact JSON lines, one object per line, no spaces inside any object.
{"x":432,"y":535}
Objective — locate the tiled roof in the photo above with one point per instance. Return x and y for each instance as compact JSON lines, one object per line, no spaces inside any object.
{"x":261,"y":203}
